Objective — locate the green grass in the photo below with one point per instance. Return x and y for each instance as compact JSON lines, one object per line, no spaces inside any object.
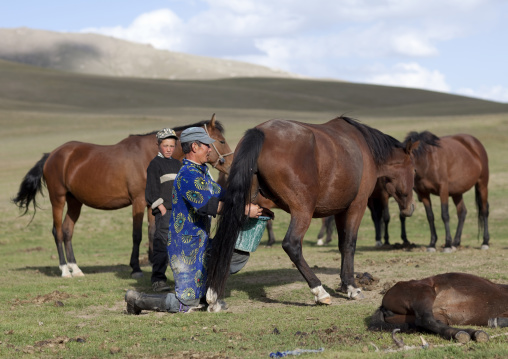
{"x":269,"y":293}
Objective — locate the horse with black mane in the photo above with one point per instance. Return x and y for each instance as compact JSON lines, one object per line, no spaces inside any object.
{"x":104,"y":177}
{"x":310,"y":170}
{"x":449,"y":166}
{"x":435,"y":303}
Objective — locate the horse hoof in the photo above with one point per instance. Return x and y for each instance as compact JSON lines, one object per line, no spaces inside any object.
{"x":379,"y":244}
{"x":484,"y":247}
{"x":325,"y":301}
{"x":448,"y":250}
{"x":480,"y":336}
{"x":136,"y":275}
{"x":431,"y":249}
{"x":462,"y":337}
{"x":320,"y":242}
{"x":78,"y":274}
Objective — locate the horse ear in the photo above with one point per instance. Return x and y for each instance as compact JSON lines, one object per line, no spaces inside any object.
{"x":212,"y":121}
{"x":411,"y":146}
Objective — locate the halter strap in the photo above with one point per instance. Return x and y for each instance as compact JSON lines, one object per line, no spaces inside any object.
{"x":220,"y":158}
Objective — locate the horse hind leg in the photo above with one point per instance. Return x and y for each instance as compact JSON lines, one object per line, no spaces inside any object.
{"x":57,"y":204}
{"x":138,"y":211}
{"x":482,"y":204}
{"x":73,"y":212}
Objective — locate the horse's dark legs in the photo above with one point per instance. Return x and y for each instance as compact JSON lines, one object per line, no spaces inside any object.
{"x":430,"y":218}
{"x":445,"y":216}
{"x":326,"y":227}
{"x":138,"y":209}
{"x":461,"y":215}
{"x":57,"y":205}
{"x":271,"y":235}
{"x":376,"y":213}
{"x":482,"y":204}
{"x":73,"y":212}
{"x":403,"y":234}
{"x":347,"y":228}
{"x":292,"y":245}
{"x":386,"y":221}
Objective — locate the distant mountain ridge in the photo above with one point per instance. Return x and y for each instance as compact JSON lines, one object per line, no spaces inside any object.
{"x":102,"y":55}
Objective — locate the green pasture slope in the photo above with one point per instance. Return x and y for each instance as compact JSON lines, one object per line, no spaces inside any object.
{"x":271,"y":308}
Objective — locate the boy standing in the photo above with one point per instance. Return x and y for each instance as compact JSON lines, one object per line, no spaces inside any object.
{"x":160,"y":175}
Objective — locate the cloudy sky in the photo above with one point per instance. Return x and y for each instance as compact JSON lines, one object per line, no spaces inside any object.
{"x":455,"y":46}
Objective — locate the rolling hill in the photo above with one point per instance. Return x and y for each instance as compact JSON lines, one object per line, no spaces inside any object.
{"x":30,"y":88}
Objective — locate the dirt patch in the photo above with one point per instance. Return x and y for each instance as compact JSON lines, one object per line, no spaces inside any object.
{"x":56,"y":297}
{"x":54,"y":344}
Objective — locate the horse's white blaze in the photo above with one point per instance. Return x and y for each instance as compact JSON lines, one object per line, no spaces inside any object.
{"x":65,"y":271}
{"x":321,"y":295}
{"x":76,"y":272}
{"x":354,"y":293}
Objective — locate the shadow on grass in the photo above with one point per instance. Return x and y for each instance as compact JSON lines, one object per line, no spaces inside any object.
{"x":122,"y":271}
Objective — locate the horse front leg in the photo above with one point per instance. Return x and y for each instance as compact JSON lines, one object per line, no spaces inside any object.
{"x":461,"y":215}
{"x":347,"y":228}
{"x":138,"y":210}
{"x":271,"y":235}
{"x":376,"y":215}
{"x":430,"y":218}
{"x":292,"y":245}
{"x":73,"y":212}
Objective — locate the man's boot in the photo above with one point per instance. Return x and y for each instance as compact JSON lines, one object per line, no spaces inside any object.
{"x":137,"y":301}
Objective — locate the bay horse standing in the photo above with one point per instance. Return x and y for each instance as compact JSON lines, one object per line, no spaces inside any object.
{"x":448,"y":167}
{"x":310,"y":170}
{"x":104,"y":177}
{"x":436,"y":303}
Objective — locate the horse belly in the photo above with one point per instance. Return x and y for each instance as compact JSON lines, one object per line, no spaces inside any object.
{"x":455,"y":307}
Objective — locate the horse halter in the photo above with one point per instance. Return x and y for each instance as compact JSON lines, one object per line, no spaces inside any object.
{"x":221,"y":159}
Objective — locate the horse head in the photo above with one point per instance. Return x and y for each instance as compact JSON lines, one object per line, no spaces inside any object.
{"x":398,"y":174}
{"x":221,"y":155}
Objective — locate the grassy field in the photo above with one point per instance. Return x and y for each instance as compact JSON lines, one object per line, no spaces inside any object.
{"x":271,"y":307}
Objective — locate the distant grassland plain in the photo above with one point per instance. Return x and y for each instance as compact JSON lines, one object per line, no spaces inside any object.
{"x":44,"y":315}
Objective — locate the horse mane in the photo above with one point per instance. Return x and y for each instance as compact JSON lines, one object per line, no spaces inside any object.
{"x":218,"y":125}
{"x":380,"y":144}
{"x":426,"y":139}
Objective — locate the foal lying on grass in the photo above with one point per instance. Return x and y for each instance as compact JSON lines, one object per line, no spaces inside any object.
{"x":433,"y":304}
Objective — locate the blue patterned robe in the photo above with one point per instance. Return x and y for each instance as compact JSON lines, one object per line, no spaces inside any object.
{"x":188,"y":242}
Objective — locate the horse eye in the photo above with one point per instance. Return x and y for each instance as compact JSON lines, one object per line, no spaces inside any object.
{"x":222,"y":142}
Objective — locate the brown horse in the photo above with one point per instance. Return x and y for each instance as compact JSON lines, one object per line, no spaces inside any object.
{"x":448,"y":167}
{"x":310,"y":171}
{"x":104,"y":177}
{"x":435,"y":303}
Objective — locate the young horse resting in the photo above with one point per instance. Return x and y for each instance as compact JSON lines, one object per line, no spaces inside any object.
{"x":435,"y":303}
{"x":104,"y":177}
{"x":310,"y":170}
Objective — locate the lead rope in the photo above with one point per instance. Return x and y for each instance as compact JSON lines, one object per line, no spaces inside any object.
{"x":220,"y":158}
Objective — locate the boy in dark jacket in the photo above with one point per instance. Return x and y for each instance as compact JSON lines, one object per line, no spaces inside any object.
{"x":160,"y":175}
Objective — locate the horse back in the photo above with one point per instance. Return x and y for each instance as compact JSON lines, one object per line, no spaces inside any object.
{"x":99,"y":176}
{"x":320,"y":162}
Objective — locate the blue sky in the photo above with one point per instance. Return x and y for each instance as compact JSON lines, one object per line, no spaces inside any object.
{"x":454,"y":46}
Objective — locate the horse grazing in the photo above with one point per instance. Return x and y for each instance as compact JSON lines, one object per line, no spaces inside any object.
{"x":104,"y":177}
{"x":436,"y":303}
{"x":310,"y":170}
{"x":448,"y":167}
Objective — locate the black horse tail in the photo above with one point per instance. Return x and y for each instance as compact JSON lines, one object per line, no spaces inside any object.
{"x":30,"y":186}
{"x":378,"y":322}
{"x":481,"y":215}
{"x":233,"y":217}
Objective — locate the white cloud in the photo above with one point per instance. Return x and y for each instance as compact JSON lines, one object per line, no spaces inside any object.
{"x":321,"y":38}
{"x":411,"y":75}
{"x":495,"y":93}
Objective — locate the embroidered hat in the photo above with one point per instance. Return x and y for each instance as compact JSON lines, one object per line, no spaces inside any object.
{"x":166,"y":133}
{"x":192,"y":134}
